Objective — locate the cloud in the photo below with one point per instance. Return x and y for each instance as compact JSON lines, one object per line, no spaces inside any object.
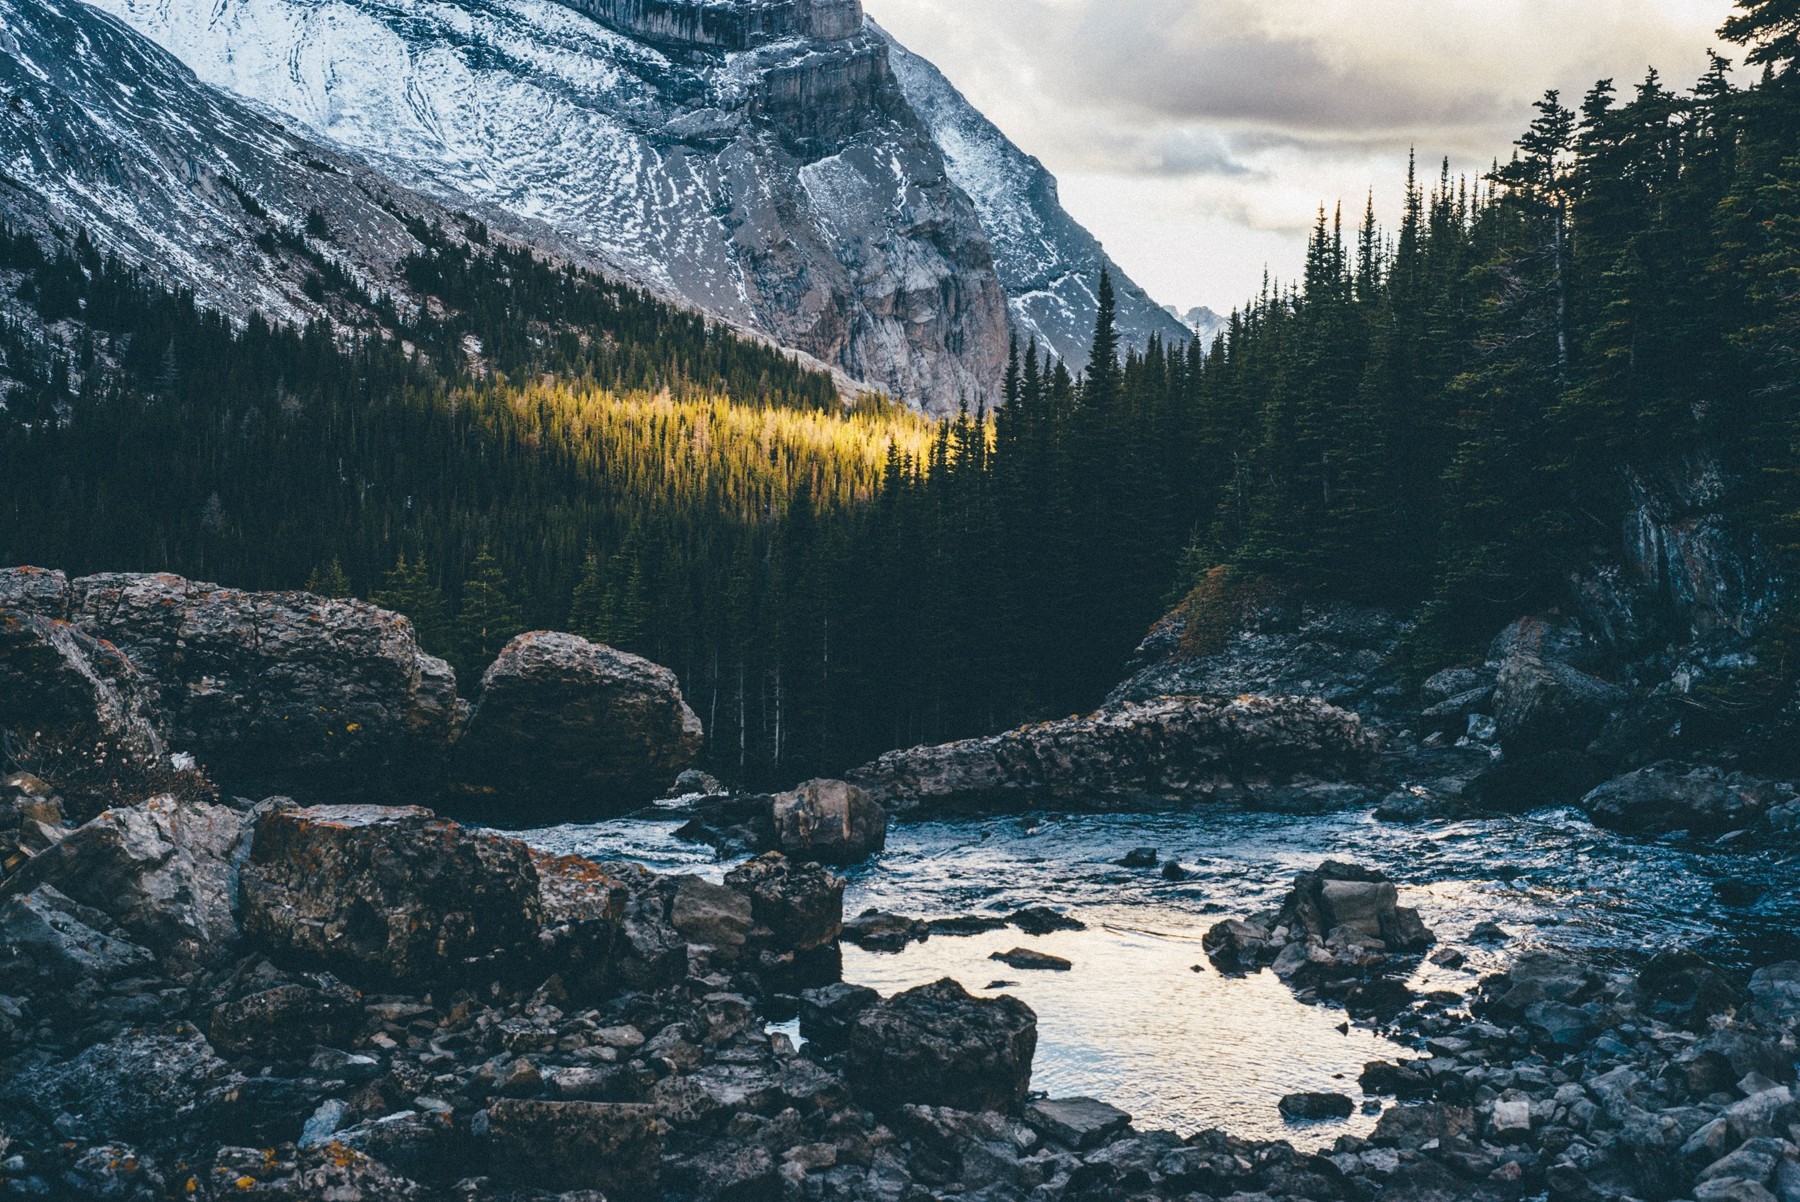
{"x":1234,"y":119}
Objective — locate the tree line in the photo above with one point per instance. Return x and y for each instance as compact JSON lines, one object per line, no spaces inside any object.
{"x":1447,"y":416}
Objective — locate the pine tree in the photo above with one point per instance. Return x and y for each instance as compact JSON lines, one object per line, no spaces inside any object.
{"x":1771,"y":28}
{"x":488,"y":618}
{"x":408,"y":589}
{"x":330,"y":581}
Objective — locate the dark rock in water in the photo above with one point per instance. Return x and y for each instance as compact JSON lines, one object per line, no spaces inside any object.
{"x":1187,"y":749}
{"x":1489,"y":932}
{"x":1142,"y":857}
{"x":966,"y":924}
{"x":614,"y":1148}
{"x":277,"y":691}
{"x":1173,"y":871}
{"x":828,"y":822}
{"x":567,"y":728}
{"x":828,"y":1013}
{"x":284,"y":1020}
{"x":1041,"y":920}
{"x":938,"y":1046}
{"x":733,"y":824}
{"x":1076,"y":1123}
{"x":1235,"y":946}
{"x":1025,"y":958}
{"x":395,"y":894}
{"x":879,"y":931}
{"x":1401,"y":1080}
{"x":797,"y":907}
{"x":1310,"y":1107}
{"x":56,"y":678}
{"x":1542,"y":701}
{"x":1669,"y":797}
{"x":165,"y":871}
{"x":1338,"y":895}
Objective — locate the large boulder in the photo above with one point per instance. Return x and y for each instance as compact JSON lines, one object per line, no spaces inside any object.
{"x":797,"y":907}
{"x":830,"y":822}
{"x":165,"y":871}
{"x":1265,"y":750}
{"x":1670,"y":797}
{"x":1542,"y":700}
{"x":395,"y":894}
{"x":59,"y":683}
{"x":938,"y":1046}
{"x":275,"y":692}
{"x":568,"y":728}
{"x":1360,"y":901}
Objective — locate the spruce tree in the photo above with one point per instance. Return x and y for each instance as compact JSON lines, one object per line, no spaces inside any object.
{"x":489,"y":615}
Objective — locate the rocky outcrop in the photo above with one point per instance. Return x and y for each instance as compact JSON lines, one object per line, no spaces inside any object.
{"x":1275,"y":751}
{"x":1542,"y":700}
{"x":270,"y":690}
{"x":1670,"y":797}
{"x":388,"y":894}
{"x":59,"y":683}
{"x":937,"y":1046}
{"x":563,"y":728}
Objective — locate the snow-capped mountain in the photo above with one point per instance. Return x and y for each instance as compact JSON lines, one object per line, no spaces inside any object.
{"x":772,"y":162}
{"x":1046,"y":259}
{"x":104,"y":132}
{"x":1203,"y":322}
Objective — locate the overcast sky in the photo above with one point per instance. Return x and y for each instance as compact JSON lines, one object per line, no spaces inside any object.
{"x":1197,"y":138}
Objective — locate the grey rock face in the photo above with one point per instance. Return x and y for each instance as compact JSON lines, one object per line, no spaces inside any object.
{"x":1048,"y":262}
{"x":165,"y":871}
{"x":1172,"y":748}
{"x":1542,"y":701}
{"x":273,"y":690}
{"x":50,"y":939}
{"x":563,"y":725}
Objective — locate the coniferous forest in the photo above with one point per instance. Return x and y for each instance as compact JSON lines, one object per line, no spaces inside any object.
{"x":1445,"y":416}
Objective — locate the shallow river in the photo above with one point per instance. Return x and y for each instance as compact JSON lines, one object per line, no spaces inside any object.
{"x":1143,"y":1021}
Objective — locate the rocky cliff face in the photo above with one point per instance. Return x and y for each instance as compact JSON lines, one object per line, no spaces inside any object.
{"x":761,"y":160}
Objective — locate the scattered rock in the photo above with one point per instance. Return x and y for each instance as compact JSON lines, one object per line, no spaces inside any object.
{"x":613,"y":1148}
{"x":1076,"y":1123}
{"x":1041,"y":920}
{"x":797,"y":907}
{"x":1667,"y":797}
{"x":565,"y":728}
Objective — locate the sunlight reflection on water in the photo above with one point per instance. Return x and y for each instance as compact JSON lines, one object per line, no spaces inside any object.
{"x":1134,"y":1024}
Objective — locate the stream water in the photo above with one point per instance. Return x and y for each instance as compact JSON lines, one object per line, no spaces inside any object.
{"x":1144,"y":1021}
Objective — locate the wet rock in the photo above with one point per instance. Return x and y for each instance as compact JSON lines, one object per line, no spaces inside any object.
{"x":1026,"y":958}
{"x":1076,"y":1123}
{"x":1775,"y":993}
{"x":55,"y":676}
{"x":1173,"y":871}
{"x":615,"y":1148}
{"x":565,"y":728}
{"x":1542,"y":701}
{"x":1235,"y":946}
{"x":395,"y":894}
{"x":1668,"y":797}
{"x":829,"y":822}
{"x":1337,"y":895}
{"x":166,"y":871}
{"x":1195,"y":749}
{"x":280,"y":692}
{"x":938,"y":1046}
{"x":828,"y":1014}
{"x":1041,"y":920}
{"x":284,"y":1020}
{"x":1687,"y":988}
{"x":584,"y":916}
{"x":1141,"y":857}
{"x":1314,"y":1107}
{"x":797,"y":907}
{"x":879,"y":931}
{"x":649,"y":953}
